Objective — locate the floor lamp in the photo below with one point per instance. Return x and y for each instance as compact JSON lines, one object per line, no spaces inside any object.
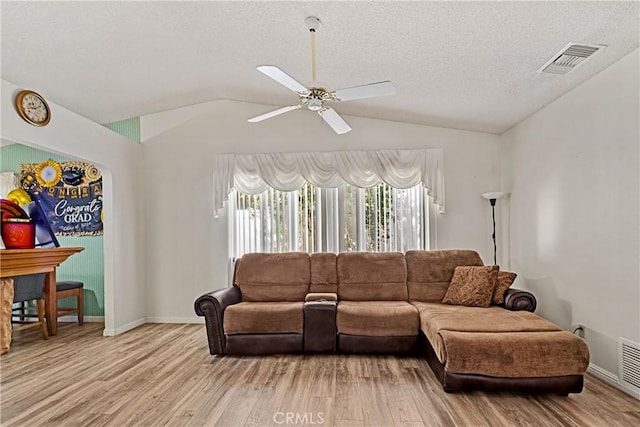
{"x":492,"y":197}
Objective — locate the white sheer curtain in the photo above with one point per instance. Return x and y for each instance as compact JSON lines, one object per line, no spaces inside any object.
{"x":255,"y":173}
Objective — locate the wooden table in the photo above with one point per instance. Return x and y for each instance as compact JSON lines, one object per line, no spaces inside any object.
{"x":20,"y":262}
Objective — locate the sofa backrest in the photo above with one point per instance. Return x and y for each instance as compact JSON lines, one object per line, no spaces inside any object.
{"x":355,"y":276}
{"x":429,"y":272}
{"x":369,"y":276}
{"x":324,"y":277}
{"x":273,"y":276}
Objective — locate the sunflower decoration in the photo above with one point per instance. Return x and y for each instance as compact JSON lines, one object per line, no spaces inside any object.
{"x":92,"y":173}
{"x":48,"y":173}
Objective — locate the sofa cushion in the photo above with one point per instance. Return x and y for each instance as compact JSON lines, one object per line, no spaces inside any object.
{"x":369,"y":276}
{"x":429,"y":272}
{"x":436,"y":317}
{"x":516,"y":354}
{"x":505,"y":280}
{"x":324,"y":277}
{"x":501,"y":343}
{"x":273,"y":276}
{"x":472,"y":286}
{"x":377,"y":318}
{"x":263,"y":318}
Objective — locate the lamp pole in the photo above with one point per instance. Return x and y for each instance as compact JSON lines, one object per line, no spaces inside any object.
{"x":493,"y":236}
{"x":492,"y":197}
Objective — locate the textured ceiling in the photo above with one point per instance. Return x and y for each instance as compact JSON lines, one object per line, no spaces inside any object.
{"x":465,"y":65}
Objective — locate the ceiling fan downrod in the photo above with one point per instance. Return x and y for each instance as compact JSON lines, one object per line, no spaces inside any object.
{"x":313,"y":24}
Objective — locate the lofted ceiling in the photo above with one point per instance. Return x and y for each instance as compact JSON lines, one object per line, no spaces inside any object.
{"x":463,"y":65}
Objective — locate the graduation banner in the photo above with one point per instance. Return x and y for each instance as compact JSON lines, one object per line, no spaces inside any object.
{"x":70,"y":194}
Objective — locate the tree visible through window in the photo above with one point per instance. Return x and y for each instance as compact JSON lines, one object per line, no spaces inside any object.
{"x":380,"y":219}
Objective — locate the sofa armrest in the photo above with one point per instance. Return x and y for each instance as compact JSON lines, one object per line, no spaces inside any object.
{"x":320,"y":331}
{"x":321,"y":296}
{"x":519,"y":300}
{"x":212,"y":306}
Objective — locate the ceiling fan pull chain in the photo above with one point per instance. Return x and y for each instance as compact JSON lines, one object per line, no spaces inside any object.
{"x":313,"y":53}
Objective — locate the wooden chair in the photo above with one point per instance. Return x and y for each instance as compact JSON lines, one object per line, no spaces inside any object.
{"x":28,"y":288}
{"x":68,"y":289}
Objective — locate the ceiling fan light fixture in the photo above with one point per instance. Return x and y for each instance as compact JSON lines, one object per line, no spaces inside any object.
{"x":314,"y":104}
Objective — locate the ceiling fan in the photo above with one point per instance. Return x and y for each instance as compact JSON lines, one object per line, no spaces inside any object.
{"x":315,"y":96}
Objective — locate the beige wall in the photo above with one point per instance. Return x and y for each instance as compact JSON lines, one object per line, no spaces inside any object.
{"x":572,"y":169}
{"x":187,"y":249}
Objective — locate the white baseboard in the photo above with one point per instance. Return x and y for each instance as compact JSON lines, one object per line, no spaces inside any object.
{"x":162,"y":319}
{"x":136,"y":323}
{"x":124,"y":328}
{"x":603,"y":374}
{"x":611,"y":378}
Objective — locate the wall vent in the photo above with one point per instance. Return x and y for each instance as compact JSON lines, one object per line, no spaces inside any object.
{"x":629,"y":366}
{"x":569,"y":58}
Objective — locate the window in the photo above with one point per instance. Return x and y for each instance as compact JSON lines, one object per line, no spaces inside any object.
{"x":347,"y":218}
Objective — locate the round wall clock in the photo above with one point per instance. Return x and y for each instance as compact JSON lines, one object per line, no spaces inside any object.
{"x":33,"y":108}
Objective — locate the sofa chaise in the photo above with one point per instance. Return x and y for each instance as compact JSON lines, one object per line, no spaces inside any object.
{"x":475,"y":332}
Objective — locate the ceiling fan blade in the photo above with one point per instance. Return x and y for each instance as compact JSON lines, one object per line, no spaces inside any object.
{"x":283,"y":78}
{"x":273,"y":113}
{"x":366,"y":91}
{"x":334,"y":120}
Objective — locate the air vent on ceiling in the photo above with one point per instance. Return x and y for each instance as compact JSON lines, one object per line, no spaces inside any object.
{"x":569,"y":58}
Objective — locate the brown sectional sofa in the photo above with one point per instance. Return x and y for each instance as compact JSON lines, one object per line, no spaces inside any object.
{"x":378,"y":303}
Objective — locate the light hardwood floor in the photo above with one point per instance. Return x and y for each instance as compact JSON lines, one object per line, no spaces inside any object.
{"x":163,"y":375}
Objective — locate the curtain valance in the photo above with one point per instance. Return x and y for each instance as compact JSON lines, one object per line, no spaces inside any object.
{"x":255,"y":173}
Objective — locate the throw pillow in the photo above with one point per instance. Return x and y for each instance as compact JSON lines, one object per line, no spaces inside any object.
{"x":505,"y":280}
{"x":472,"y":286}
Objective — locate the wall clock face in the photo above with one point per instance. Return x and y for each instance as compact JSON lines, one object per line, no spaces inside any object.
{"x":33,"y":108}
